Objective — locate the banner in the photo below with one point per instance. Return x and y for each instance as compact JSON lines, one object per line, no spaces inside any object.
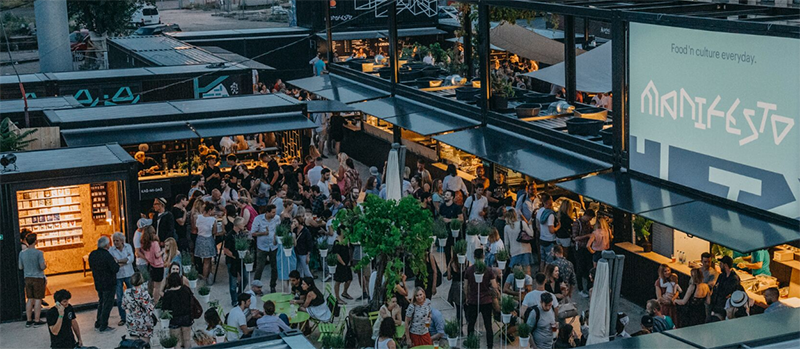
{"x":717,"y":112}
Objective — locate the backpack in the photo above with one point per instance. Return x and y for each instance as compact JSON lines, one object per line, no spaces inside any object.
{"x":132,"y":344}
{"x":528,"y":314}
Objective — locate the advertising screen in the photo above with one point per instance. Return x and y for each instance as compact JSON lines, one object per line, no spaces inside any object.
{"x":717,"y":112}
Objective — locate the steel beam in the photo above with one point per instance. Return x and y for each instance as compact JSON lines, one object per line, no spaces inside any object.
{"x":484,"y":54}
{"x":570,"y":78}
{"x":394,"y":53}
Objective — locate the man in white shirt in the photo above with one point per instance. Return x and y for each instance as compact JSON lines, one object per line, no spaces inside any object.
{"x":324,"y":183}
{"x":534,"y":297}
{"x":546,"y":218}
{"x":475,"y":206}
{"x":263,"y":229}
{"x":315,"y":173}
{"x":123,"y":254}
{"x":428,"y":59}
{"x":237,"y":317}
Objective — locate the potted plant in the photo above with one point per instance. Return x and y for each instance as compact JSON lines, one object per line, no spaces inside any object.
{"x":642,"y":226}
{"x":333,"y":342}
{"x":524,"y":332}
{"x":452,"y":330}
{"x":519,"y":277}
{"x":288,"y":243}
{"x":440,"y":231}
{"x":484,"y":234}
{"x":460,"y":249}
{"x":192,"y":275}
{"x":165,"y":316}
{"x":507,"y":306}
{"x":502,"y":258}
{"x":333,"y":261}
{"x":472,"y":342}
{"x":168,"y":341}
{"x":158,"y":309}
{"x":204,"y":292}
{"x":282,"y":230}
{"x":480,"y":268}
{"x":186,"y":262}
{"x":502,"y":91}
{"x":248,"y":262}
{"x":242,"y":245}
{"x":219,"y":335}
{"x":455,"y":226}
{"x":322,"y":245}
{"x":473,"y":228}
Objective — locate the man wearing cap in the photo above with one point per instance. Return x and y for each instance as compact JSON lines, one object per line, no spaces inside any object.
{"x":373,"y":171}
{"x":163,"y":221}
{"x":255,"y":293}
{"x":647,"y":326}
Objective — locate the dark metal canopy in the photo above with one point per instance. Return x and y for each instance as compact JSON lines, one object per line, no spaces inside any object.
{"x":724,"y":225}
{"x":38,"y":104}
{"x":62,"y":162}
{"x":129,"y":134}
{"x":328,"y":106}
{"x":375,"y":34}
{"x":164,"y":51}
{"x":245,"y":125}
{"x":338,"y":88}
{"x":655,"y":340}
{"x":390,"y":107}
{"x":528,"y":156}
{"x":748,"y":331}
{"x":414,"y":116}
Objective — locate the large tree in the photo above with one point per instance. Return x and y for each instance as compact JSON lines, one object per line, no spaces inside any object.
{"x":109,"y":17}
{"x":393,"y":234}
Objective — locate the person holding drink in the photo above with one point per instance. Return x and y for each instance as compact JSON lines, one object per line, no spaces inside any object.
{"x":418,"y":319}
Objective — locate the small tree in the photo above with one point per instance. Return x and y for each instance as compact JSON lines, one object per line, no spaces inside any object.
{"x":388,"y":231}
{"x":101,"y":16}
{"x":12,"y":138}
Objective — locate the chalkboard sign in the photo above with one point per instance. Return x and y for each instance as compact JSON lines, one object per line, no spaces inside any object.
{"x":149,"y":190}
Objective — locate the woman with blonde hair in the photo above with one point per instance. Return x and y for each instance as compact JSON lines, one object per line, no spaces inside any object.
{"x":495,"y":245}
{"x":600,"y":240}
{"x":152,"y":253}
{"x":520,"y":251}
{"x":171,"y":252}
{"x":341,"y":172}
{"x":564,"y":233}
{"x":418,"y":319}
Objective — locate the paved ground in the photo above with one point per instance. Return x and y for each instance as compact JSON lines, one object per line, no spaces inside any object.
{"x":196,"y":20}
{"x":38,"y":338}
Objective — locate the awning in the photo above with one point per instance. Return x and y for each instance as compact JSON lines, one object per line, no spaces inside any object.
{"x":245,"y":125}
{"x":526,"y":43}
{"x":128,"y":134}
{"x":328,"y":106}
{"x":374,"y":34}
{"x":525,"y":155}
{"x":413,"y":116}
{"x":727,"y":226}
{"x":338,"y":89}
{"x":592,"y":69}
{"x":653,"y":341}
{"x":748,"y":331}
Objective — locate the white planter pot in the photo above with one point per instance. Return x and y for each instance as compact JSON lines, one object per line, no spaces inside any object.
{"x":170,"y":348}
{"x":501,"y":265}
{"x":332,"y":269}
{"x":454,"y":232}
{"x":164,"y":324}
{"x":242,"y":253}
{"x":323,"y":253}
{"x":287,"y":252}
{"x":192,"y":283}
{"x":186,"y":268}
{"x":248,"y":267}
{"x":523,"y":342}
{"x":442,"y":242}
{"x":484,"y":239}
{"x":452,"y":342}
{"x":204,"y":299}
{"x":520,"y":283}
{"x":220,"y":339}
{"x":506,"y":318}
{"x":478,"y":278}
{"x":461,"y":258}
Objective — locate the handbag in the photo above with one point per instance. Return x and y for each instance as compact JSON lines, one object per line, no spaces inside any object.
{"x":197,"y":309}
{"x":567,"y":310}
{"x":523,"y":235}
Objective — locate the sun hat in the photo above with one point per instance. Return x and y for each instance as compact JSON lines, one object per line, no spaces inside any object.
{"x":738,"y":299}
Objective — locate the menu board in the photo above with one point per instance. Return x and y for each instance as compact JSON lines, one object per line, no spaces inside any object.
{"x":99,"y":195}
{"x":53,"y":214}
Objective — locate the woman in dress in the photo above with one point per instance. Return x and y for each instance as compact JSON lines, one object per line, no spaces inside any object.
{"x":314,"y":303}
{"x":341,"y":172}
{"x":152,"y":253}
{"x":695,"y":301}
{"x":564,"y":234}
{"x":401,"y":293}
{"x":343,"y":274}
{"x":352,"y":177}
{"x":418,"y":319}
{"x":455,"y":297}
{"x":178,"y":300}
{"x":667,"y":306}
{"x":139,"y":308}
{"x":206,"y":248}
{"x":431,"y":280}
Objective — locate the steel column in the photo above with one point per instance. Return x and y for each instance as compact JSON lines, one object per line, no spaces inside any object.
{"x":569,"y":58}
{"x":394,"y":53}
{"x":619,"y":85}
{"x":484,"y":57}
{"x":328,"y":30}
{"x":52,"y":35}
{"x":467,"y":45}
{"x":585,"y":33}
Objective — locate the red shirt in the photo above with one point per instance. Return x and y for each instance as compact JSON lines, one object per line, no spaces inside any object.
{"x":308,"y":168}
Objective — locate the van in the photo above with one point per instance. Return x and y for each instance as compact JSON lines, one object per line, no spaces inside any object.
{"x":145,"y":15}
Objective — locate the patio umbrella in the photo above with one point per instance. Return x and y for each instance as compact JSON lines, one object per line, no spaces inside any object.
{"x":393,"y":185}
{"x":599,"y":307}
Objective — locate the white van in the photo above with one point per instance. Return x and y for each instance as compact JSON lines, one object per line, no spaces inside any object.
{"x":145,"y":15}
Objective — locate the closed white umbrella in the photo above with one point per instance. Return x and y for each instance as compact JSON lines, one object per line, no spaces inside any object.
{"x":599,"y":308}
{"x":393,"y":185}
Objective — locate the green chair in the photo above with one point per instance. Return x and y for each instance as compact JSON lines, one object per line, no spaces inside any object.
{"x":373,"y":316}
{"x":334,"y":327}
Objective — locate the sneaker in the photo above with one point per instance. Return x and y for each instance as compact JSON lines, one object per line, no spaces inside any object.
{"x":121,"y":323}
{"x":584,"y":294}
{"x":347,"y":296}
{"x":39,"y":323}
{"x":28,"y":324}
{"x":107,"y":329}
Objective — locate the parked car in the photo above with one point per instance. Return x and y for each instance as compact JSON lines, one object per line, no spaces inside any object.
{"x":145,"y":15}
{"x":157,"y":29}
{"x":279,"y":10}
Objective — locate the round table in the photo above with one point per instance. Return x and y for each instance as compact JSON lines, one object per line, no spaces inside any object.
{"x":277,"y":297}
{"x":401,"y":331}
{"x":299,"y":318}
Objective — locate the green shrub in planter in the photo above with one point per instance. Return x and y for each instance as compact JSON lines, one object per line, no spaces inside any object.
{"x":508,"y":304}
{"x":204,"y":291}
{"x":158,"y":304}
{"x":333,"y":342}
{"x":460,"y":247}
{"x":472,"y":342}
{"x":186,"y":259}
{"x":439,"y":228}
{"x":480,"y":267}
{"x":451,"y":328}
{"x":283,"y":230}
{"x":518,"y":273}
{"x":456,"y":224}
{"x":474,"y":229}
{"x":168,"y":341}
{"x":248,"y":258}
{"x":322,"y":244}
{"x":332,"y":259}
{"x":166,"y":315}
{"x":502,"y":255}
{"x":242,"y":244}
{"x":523,"y":330}
{"x":287,"y":241}
{"x":192,"y":274}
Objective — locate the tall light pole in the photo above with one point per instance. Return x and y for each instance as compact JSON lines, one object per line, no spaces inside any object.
{"x":52,"y":35}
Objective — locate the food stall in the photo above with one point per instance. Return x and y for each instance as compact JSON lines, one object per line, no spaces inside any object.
{"x":69,"y":197}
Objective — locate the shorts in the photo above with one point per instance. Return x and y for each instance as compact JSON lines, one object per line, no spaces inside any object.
{"x":523,"y":260}
{"x":545,"y":249}
{"x":34,"y":288}
{"x":564,"y":242}
{"x":157,"y":274}
{"x":598,"y":255}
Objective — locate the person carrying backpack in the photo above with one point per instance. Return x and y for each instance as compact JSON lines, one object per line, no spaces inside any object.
{"x":542,"y":321}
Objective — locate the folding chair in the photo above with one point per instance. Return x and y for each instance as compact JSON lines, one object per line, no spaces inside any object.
{"x":373,"y":316}
{"x":334,"y":327}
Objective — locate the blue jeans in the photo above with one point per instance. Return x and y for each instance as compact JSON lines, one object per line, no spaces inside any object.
{"x":233,"y":282}
{"x":302,"y":266}
{"x":120,"y":292}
